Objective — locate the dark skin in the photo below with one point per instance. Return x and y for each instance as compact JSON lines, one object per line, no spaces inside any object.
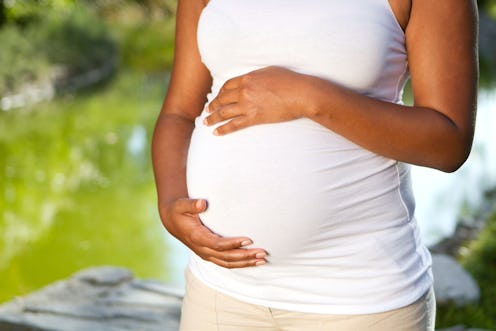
{"x":436,"y":132}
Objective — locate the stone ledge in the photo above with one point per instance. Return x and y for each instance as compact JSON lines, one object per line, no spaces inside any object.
{"x":101,"y":298}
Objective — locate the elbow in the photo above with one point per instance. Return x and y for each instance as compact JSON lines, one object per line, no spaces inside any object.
{"x":454,"y":159}
{"x":451,"y":167}
{"x":453,"y":149}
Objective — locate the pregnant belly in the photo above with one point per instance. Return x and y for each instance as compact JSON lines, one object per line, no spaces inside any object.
{"x":289,"y":185}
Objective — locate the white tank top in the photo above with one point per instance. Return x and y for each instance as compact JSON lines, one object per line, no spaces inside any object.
{"x":337,"y":220}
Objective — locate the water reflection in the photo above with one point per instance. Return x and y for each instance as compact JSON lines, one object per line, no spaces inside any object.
{"x":137,"y":141}
{"x":71,"y":196}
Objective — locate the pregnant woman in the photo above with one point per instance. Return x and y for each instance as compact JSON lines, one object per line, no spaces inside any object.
{"x":281,"y":157}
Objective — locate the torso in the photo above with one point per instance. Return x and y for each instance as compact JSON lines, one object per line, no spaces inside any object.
{"x":319,"y":204}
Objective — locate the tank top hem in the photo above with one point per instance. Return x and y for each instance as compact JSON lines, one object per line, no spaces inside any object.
{"x":335,"y":309}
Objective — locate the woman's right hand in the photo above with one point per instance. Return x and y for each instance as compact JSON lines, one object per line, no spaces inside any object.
{"x":181,"y":219}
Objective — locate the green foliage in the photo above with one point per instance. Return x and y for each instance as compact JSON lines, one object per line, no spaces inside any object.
{"x":487,"y":72}
{"x":150,"y":8}
{"x":68,"y":34}
{"x":74,"y":40}
{"x":27,"y":11}
{"x":77,"y":40}
{"x":24,"y":12}
{"x":20,"y":60}
{"x":488,"y":6}
{"x":147,"y":47}
{"x":480,"y":261}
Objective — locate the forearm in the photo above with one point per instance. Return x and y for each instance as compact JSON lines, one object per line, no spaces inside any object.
{"x":417,"y":135}
{"x":169,"y":155}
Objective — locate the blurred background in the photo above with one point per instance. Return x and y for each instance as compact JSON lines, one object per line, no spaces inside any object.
{"x":81,"y":83}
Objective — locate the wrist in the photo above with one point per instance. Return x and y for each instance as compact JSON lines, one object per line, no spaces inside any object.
{"x":312,"y":94}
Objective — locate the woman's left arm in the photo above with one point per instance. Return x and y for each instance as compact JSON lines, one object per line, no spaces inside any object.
{"x":437,"y":131}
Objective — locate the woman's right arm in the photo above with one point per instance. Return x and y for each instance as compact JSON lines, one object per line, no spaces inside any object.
{"x":186,"y":96}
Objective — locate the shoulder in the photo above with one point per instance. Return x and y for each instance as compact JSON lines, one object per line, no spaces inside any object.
{"x":446,"y":12}
{"x":441,"y":24}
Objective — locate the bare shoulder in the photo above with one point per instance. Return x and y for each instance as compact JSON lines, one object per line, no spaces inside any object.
{"x":454,"y":17}
{"x":441,"y":40}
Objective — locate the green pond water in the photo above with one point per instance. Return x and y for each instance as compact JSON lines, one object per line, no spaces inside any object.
{"x":76,"y":186}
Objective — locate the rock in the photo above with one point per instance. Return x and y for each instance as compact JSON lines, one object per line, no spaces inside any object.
{"x":452,"y":283}
{"x":102,"y":298}
{"x":104,"y":275}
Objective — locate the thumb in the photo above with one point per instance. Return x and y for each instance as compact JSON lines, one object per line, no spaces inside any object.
{"x":193,"y":206}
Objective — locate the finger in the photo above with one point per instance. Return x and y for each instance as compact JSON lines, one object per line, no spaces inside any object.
{"x":241,"y":254}
{"x":204,"y":237}
{"x":235,"y":124}
{"x":233,"y":252}
{"x":233,"y":83}
{"x":237,"y":264}
{"x":223,"y":114}
{"x":191,"y":206}
{"x":225,"y":97}
{"x":235,"y":255}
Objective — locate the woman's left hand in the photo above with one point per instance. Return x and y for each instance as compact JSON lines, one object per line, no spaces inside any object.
{"x":268,"y":95}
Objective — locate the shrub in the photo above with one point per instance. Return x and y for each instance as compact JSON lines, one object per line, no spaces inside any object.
{"x":20,"y":61}
{"x":480,"y":261}
{"x":74,"y":40}
{"x":77,"y":41}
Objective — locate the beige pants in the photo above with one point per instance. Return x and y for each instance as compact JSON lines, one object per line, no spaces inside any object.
{"x":205,"y":309}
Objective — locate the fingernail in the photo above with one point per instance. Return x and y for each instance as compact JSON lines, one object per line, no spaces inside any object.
{"x":246,"y":243}
{"x":216,"y":132}
{"x":260,"y":255}
{"x":199,"y":204}
{"x":205,"y":121}
{"x":260,"y":263}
